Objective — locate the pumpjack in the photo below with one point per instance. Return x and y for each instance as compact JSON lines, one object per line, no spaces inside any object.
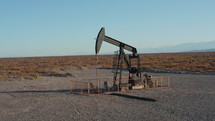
{"x":132,"y":62}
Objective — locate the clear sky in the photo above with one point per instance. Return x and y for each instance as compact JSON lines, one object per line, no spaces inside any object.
{"x":69,"y":27}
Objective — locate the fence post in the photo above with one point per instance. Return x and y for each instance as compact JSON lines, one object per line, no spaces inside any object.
{"x":168,"y":81}
{"x":161,"y":81}
{"x":98,"y":85}
{"x":88,"y":87}
{"x":108,"y":84}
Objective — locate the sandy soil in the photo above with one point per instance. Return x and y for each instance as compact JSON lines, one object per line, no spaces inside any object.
{"x":190,"y":97}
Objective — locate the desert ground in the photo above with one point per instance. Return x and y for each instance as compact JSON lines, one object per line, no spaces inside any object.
{"x":190,"y":97}
{"x":39,"y":89}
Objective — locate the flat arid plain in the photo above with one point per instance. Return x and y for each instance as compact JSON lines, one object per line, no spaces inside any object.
{"x":38,"y":88}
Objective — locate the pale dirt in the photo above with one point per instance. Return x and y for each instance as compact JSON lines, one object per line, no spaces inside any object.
{"x":190,"y":97}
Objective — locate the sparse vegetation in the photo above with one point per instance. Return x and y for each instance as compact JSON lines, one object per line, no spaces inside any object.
{"x":202,"y":62}
{"x":32,"y":67}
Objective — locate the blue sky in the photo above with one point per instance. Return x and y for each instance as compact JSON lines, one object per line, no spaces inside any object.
{"x":69,"y":27}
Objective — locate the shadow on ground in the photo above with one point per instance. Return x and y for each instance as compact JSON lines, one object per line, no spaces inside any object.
{"x":37,"y":91}
{"x":133,"y":97}
{"x":63,"y":91}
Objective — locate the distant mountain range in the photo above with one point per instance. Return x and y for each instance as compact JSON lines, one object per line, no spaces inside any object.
{"x":206,"y":50}
{"x":187,"y":47}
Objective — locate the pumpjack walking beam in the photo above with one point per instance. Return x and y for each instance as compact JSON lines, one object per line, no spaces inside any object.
{"x":102,"y":37}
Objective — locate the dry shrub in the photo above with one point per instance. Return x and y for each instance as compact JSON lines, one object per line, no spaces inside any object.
{"x":34,"y":67}
{"x":59,"y":74}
